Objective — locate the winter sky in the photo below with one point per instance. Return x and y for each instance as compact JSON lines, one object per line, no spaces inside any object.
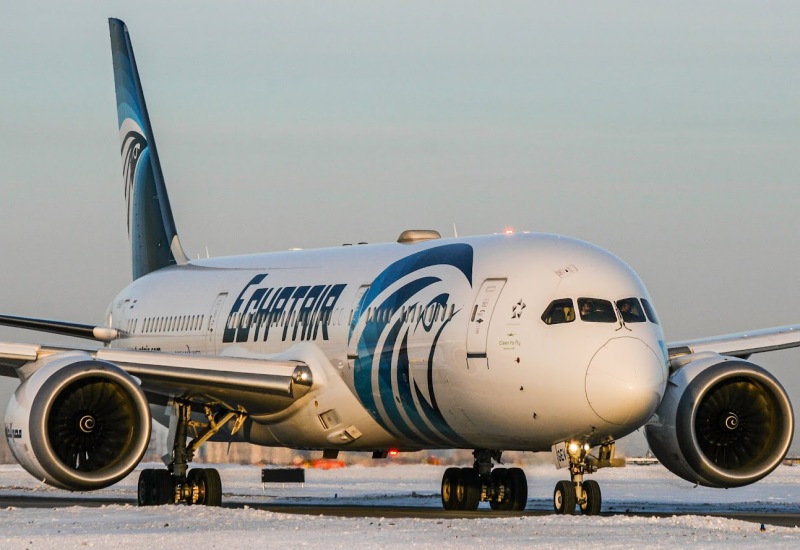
{"x":668,"y":133}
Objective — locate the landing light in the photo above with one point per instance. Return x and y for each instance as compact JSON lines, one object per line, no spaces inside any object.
{"x":574,"y":448}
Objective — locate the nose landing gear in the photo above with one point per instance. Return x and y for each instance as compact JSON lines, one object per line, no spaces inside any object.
{"x":506,"y":489}
{"x":578,"y":492}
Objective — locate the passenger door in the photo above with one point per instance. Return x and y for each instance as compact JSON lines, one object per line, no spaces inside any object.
{"x":479,"y":321}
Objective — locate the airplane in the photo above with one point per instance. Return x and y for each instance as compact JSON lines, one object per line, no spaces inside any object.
{"x":495,"y":343}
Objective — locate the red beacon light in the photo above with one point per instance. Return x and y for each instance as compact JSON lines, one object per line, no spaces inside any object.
{"x":508,"y":231}
{"x":393,"y":452}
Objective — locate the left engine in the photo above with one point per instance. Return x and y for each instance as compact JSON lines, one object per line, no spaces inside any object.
{"x":77,"y":423}
{"x":723,"y":422}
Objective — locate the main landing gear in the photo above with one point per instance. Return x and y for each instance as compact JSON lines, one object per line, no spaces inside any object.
{"x":504,"y":488}
{"x":578,"y":492}
{"x":178,"y":484}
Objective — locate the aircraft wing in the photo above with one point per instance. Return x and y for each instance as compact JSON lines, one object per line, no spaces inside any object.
{"x":741,"y":344}
{"x":260,"y":386}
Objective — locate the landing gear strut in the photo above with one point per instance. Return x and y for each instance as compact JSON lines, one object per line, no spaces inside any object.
{"x":504,"y":489}
{"x":579,"y":492}
{"x":178,"y":484}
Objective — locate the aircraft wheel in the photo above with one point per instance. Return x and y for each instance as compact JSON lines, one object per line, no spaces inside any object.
{"x":468,"y":489}
{"x":518,"y":484}
{"x":449,"y":482}
{"x":564,"y":499}
{"x":163,"y":488}
{"x":591,"y":507}
{"x":145,"y":488}
{"x":208,"y":485}
{"x":500,"y":480}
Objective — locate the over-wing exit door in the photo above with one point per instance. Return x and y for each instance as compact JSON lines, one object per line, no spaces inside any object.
{"x":479,"y":320}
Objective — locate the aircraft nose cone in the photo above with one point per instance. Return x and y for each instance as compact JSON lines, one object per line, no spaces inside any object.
{"x":625,"y":381}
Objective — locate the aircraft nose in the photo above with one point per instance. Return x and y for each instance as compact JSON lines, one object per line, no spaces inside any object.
{"x":625,"y":381}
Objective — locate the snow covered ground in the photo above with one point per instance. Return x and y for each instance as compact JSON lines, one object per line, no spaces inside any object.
{"x":635,"y":488}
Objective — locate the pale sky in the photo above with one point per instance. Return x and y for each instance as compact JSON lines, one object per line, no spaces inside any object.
{"x":668,"y":133}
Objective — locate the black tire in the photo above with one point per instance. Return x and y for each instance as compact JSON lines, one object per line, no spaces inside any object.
{"x":163,"y":488}
{"x":468,"y":489}
{"x":214,"y":488}
{"x":564,"y":498}
{"x":144,"y":492}
{"x":209,"y":486}
{"x":449,"y":482}
{"x":500,"y":481}
{"x":594,"y":500}
{"x":518,"y":484}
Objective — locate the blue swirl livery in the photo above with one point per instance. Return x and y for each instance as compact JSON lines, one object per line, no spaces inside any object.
{"x":397,"y":326}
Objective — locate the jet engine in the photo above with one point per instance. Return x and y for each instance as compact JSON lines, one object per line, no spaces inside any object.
{"x":77,"y":423}
{"x":723,"y":422}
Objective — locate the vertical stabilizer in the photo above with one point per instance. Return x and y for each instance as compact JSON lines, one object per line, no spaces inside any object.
{"x":151,"y":228}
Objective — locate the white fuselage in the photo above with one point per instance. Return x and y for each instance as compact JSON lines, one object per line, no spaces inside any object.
{"x":441,"y":343}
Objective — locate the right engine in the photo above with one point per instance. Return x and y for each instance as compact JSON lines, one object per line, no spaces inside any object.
{"x":77,"y":423}
{"x":723,"y":422}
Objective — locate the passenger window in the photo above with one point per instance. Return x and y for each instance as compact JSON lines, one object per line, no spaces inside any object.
{"x":651,"y":313}
{"x":559,"y":311}
{"x":594,"y":310}
{"x":631,"y":310}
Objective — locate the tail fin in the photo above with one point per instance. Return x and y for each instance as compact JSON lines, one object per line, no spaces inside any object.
{"x":151,"y":228}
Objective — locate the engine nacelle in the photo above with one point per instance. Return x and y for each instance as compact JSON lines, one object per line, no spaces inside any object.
{"x":723,"y":422}
{"x":77,"y":423}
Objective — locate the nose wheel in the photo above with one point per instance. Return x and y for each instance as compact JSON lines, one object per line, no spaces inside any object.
{"x":566,"y":499}
{"x":577,"y":492}
{"x":593,"y":500}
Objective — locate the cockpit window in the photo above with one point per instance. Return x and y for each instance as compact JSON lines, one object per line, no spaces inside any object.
{"x":651,"y":313}
{"x":559,"y":311}
{"x":595,"y":310}
{"x":631,"y":310}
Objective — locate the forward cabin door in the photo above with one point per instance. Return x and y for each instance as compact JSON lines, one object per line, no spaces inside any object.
{"x":479,"y":321}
